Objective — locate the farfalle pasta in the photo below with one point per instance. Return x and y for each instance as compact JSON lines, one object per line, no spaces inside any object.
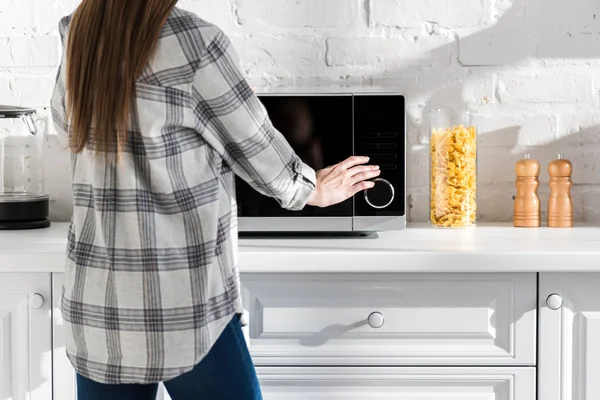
{"x":453,"y":197}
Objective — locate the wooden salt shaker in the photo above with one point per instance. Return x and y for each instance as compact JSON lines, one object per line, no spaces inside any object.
{"x":560,"y":206}
{"x":527,"y":202}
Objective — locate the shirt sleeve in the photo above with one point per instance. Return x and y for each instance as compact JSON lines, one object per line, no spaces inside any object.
{"x":235,"y":123}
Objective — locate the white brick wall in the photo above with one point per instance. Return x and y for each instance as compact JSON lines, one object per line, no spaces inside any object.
{"x":388,"y":52}
{"x":411,"y":13}
{"x":311,"y":14}
{"x":531,"y":67}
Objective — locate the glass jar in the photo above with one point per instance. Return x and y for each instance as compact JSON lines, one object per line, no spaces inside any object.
{"x":453,"y":168}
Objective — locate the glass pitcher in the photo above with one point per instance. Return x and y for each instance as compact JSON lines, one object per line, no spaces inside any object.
{"x":24,"y":202}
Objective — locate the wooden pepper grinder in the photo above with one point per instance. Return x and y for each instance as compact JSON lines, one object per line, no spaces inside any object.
{"x":527,"y":202}
{"x":560,"y":206}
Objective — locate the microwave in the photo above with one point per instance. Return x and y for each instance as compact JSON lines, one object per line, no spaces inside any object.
{"x":325,"y":129}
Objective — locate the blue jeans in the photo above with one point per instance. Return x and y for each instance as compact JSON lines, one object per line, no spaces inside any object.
{"x":226,"y":373}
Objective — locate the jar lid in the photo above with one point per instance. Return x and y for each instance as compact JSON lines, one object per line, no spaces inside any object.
{"x":15,"y":112}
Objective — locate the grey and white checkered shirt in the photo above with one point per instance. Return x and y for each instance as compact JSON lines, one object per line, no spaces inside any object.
{"x":151,"y":275}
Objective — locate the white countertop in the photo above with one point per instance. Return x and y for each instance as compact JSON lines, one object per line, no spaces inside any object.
{"x":489,"y":248}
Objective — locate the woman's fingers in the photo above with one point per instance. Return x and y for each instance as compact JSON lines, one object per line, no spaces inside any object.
{"x":348,"y":167}
{"x":359,"y":187}
{"x":343,"y":180}
{"x":364,"y":176}
{"x":361,"y":168}
{"x":353,"y":161}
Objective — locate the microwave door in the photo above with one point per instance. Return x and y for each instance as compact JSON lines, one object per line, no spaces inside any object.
{"x":319,"y":129}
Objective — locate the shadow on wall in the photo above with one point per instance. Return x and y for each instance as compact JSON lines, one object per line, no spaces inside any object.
{"x":544,"y":29}
{"x":539,"y":32}
{"x":528,"y":32}
{"x":547,"y":30}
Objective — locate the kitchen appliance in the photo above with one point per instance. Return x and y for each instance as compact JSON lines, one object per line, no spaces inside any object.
{"x":325,"y":129}
{"x":24,"y":203}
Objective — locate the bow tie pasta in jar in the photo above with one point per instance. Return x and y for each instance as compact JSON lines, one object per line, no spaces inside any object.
{"x":453,"y":168}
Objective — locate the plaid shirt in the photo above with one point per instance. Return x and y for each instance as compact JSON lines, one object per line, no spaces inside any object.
{"x":151,"y":274}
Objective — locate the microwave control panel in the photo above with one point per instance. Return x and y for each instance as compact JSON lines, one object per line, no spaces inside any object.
{"x":380,"y":133}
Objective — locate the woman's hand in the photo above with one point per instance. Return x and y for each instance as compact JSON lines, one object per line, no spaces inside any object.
{"x":338,"y":183}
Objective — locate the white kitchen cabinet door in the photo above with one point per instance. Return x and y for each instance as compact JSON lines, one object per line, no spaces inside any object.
{"x":382,"y":383}
{"x":569,"y":360}
{"x":391,"y":319}
{"x":65,"y":387}
{"x":25,"y":337}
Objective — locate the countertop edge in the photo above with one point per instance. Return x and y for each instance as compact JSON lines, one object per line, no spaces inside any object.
{"x":491,"y":249}
{"x":359,"y":262}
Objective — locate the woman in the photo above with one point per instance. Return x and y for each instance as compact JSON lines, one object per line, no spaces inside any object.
{"x":160,"y":120}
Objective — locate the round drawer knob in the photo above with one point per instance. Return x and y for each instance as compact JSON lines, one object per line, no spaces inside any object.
{"x":36,"y":301}
{"x":554,"y":301}
{"x":381,"y":195}
{"x":376,"y":320}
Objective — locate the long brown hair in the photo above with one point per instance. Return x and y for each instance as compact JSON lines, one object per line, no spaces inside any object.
{"x":109,"y":44}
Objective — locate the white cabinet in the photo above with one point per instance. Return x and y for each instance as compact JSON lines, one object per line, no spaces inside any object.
{"x":300,"y":323}
{"x":25,"y":337}
{"x":569,"y":361}
{"x":382,"y":383}
{"x":162,"y":393}
{"x":391,"y":319}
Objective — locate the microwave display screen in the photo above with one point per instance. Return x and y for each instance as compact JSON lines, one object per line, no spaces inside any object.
{"x":320,"y":130}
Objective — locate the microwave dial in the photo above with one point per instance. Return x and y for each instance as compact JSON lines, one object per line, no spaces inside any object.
{"x":381,"y":195}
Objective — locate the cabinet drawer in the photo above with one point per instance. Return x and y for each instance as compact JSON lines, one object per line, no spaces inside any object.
{"x":453,"y":319}
{"x":382,"y":383}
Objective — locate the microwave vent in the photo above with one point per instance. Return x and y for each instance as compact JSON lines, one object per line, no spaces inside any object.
{"x":377,"y":146}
